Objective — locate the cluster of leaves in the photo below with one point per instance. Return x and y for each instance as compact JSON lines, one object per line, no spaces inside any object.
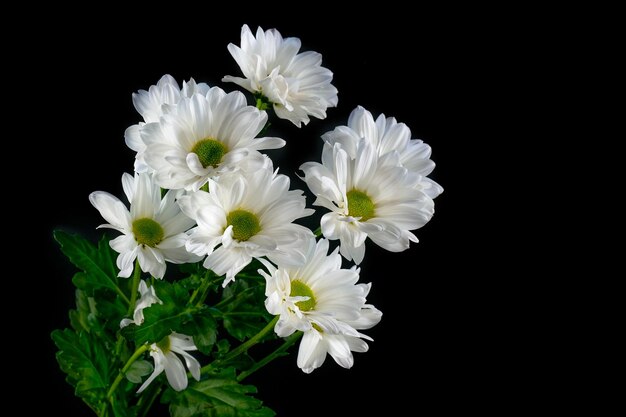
{"x":93,"y":351}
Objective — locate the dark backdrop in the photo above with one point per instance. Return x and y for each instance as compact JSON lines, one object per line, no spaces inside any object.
{"x":435,"y":346}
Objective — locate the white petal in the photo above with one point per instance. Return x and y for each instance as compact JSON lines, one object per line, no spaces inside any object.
{"x":195,"y":166}
{"x":224,"y":260}
{"x":132,"y":137}
{"x":151,"y":261}
{"x":124,"y":243}
{"x":312,"y":351}
{"x":175,"y":372}
{"x":362,"y":122}
{"x":159,"y":366}
{"x":340,"y":351}
{"x":192,"y":364}
{"x":356,"y":345}
{"x":111,"y":209}
{"x":125,"y":262}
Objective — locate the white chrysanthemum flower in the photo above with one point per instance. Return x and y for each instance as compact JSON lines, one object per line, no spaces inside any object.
{"x":296,"y":84}
{"x":152,"y":104}
{"x":248,"y":215}
{"x":153,"y":230}
{"x":387,"y":135}
{"x":325,"y":302}
{"x":147,"y":297}
{"x":204,"y":136}
{"x":369,"y":196}
{"x":165,"y":359}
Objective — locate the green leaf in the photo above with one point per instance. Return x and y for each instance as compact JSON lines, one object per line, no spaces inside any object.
{"x":223,"y":347}
{"x":110,"y":309}
{"x":96,"y":263}
{"x":121,"y":409}
{"x":161,"y":319}
{"x":218,"y":396}
{"x":79,"y":318}
{"x":243,"y":308}
{"x":203,"y":328}
{"x":86,"y":362}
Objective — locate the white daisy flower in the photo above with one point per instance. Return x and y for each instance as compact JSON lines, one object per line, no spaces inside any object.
{"x":164,"y":352}
{"x":247,"y":215}
{"x":165,"y":359}
{"x":369,"y":196}
{"x":387,"y":135}
{"x":153,"y":230}
{"x":204,"y":136}
{"x":147,"y":297}
{"x":325,"y":302}
{"x":152,"y":104}
{"x":296,"y":84}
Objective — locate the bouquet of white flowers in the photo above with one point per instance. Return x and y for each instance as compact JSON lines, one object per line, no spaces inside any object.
{"x":208,"y":259}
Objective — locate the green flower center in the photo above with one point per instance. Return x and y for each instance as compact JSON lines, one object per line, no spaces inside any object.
{"x":245,"y":224}
{"x":209,"y":151}
{"x":316,"y":327}
{"x":148,"y":232}
{"x":360,"y":205}
{"x":164,"y":344}
{"x":300,"y":289}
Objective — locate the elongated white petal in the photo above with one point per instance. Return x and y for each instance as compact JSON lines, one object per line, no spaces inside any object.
{"x":339,"y":349}
{"x":111,"y":209}
{"x":159,"y":367}
{"x":126,"y":261}
{"x":312,"y":351}
{"x":175,"y":372}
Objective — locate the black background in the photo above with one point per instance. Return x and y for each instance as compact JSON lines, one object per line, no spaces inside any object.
{"x":439,"y":345}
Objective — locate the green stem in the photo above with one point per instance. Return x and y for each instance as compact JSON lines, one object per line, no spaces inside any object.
{"x":195,"y":292}
{"x":140,"y":350}
{"x":275,"y":354}
{"x":318,"y":232}
{"x":242,"y":348}
{"x":204,"y":288}
{"x":133,"y":289}
{"x":235,"y":297}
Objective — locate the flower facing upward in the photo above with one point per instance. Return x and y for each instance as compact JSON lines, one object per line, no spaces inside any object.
{"x":325,"y":302}
{"x":248,"y":215}
{"x":204,"y":136}
{"x":386,"y":135}
{"x":153,"y":230}
{"x":152,"y":104}
{"x":369,"y":196}
{"x":165,"y":359}
{"x":296,"y":84}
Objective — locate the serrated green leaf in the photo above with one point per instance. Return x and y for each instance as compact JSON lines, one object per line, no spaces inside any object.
{"x":111,"y":309}
{"x":203,"y":328}
{"x":161,"y":319}
{"x":241,"y":362}
{"x":121,"y":409}
{"x":85,"y":361}
{"x":242,"y":296}
{"x":79,"y":317}
{"x":218,"y":396}
{"x":96,"y":263}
